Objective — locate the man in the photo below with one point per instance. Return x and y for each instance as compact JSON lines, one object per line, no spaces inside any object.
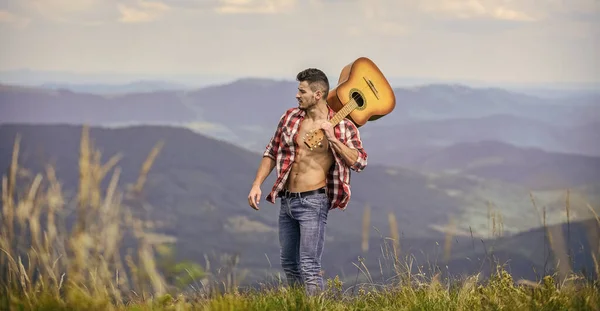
{"x":309,"y":182}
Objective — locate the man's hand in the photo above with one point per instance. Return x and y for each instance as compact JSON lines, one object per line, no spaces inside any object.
{"x":254,"y":197}
{"x":328,"y":129}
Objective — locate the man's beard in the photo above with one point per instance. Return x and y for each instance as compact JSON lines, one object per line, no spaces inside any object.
{"x":307,"y":107}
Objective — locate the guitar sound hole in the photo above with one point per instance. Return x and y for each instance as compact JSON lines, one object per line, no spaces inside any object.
{"x":358,"y":98}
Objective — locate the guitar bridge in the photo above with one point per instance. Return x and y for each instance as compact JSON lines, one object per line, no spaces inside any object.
{"x":372,"y":87}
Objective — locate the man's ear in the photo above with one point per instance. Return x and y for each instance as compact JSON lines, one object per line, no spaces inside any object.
{"x":318,"y":94}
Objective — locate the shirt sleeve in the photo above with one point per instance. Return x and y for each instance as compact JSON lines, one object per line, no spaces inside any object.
{"x":353,"y":141}
{"x":273,"y":145}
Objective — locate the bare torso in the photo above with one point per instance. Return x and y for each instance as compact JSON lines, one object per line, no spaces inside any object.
{"x":309,"y":170}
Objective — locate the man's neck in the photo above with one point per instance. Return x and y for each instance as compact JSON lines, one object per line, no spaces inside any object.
{"x":318,"y":112}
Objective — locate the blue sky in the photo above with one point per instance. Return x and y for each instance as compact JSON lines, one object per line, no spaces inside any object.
{"x":485,"y":40}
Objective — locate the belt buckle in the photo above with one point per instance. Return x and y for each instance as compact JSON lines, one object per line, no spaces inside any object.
{"x":290,"y":194}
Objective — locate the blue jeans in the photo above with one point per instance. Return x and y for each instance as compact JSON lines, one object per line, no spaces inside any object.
{"x":302,"y":222}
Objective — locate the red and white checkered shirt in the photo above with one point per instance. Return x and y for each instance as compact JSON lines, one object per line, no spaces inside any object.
{"x":282,"y":149}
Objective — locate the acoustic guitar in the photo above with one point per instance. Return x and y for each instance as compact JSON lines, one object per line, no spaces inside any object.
{"x":363,"y":94}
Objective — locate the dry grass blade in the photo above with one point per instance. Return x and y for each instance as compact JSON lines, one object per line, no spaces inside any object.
{"x":146,"y":167}
{"x":394,"y":234}
{"x":9,"y":190}
{"x":450,"y":231}
{"x":84,"y":179}
{"x":365,"y":228}
{"x":559,"y":249}
{"x":109,"y":165}
{"x":594,"y":240}
{"x":594,"y":213}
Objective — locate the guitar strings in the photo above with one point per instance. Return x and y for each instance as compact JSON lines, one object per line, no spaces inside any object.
{"x":345,"y":105}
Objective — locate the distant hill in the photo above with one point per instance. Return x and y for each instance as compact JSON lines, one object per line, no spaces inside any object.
{"x":198,"y":186}
{"x":530,"y":167}
{"x":244,"y":103}
{"x":74,"y":80}
{"x":35,"y":105}
{"x":443,"y":101}
{"x":144,"y":86}
{"x":401,"y":144}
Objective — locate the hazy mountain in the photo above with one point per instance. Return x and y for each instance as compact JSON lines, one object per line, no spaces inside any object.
{"x":72,"y":79}
{"x":33,"y":105}
{"x":197,"y":190}
{"x":531,"y":167}
{"x":245,"y":102}
{"x":246,"y":111}
{"x":403,"y":143}
{"x":110,"y":89}
{"x":428,"y":102}
{"x":435,"y":102}
{"x":262,"y":98}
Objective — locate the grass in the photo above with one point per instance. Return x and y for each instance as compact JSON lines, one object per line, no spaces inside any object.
{"x":48,"y":265}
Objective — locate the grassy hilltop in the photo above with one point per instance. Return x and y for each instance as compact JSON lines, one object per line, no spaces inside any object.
{"x":112,"y":258}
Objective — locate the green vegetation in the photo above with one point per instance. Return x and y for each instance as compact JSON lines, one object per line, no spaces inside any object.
{"x":498,"y":294}
{"x":48,"y":265}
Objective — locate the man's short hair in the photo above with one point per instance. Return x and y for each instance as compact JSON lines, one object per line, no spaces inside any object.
{"x":315,"y":78}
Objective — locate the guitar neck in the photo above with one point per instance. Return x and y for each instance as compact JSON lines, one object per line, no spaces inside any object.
{"x":342,"y":113}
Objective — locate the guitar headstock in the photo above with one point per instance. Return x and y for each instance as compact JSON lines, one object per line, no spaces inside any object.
{"x":314,"y":139}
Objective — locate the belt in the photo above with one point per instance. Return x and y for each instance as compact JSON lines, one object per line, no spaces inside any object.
{"x":286,"y":194}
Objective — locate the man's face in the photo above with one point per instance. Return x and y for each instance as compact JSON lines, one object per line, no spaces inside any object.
{"x":306,"y":97}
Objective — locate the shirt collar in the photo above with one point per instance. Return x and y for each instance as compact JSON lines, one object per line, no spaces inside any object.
{"x":331,"y":113}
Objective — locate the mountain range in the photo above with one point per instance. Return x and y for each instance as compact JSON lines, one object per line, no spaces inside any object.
{"x":245,"y":111}
{"x":449,"y":159}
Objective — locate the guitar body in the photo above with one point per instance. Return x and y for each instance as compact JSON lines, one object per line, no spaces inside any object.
{"x":362,"y":81}
{"x":363,"y":94}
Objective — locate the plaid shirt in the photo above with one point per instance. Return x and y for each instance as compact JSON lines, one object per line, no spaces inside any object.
{"x":282,"y":149}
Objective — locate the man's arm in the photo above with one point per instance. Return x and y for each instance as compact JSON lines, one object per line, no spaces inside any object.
{"x":348,"y":154}
{"x":264,"y":169}
{"x":352,"y":152}
{"x":267,"y":163}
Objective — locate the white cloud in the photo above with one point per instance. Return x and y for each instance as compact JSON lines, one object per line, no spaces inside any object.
{"x":80,"y":12}
{"x":142,"y":11}
{"x":467,"y":9}
{"x":65,"y":6}
{"x":95,"y":12}
{"x":508,"y":14}
{"x":356,"y":18}
{"x":254,"y":6}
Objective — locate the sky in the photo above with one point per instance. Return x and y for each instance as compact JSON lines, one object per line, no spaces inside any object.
{"x":513,"y":41}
